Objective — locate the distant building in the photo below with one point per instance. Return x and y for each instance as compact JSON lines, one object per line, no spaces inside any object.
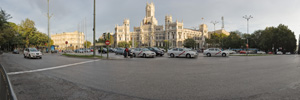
{"x":75,"y":40}
{"x":218,"y":32}
{"x":149,"y":33}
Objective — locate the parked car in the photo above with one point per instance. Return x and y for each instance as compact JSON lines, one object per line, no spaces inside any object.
{"x":54,"y":51}
{"x":143,"y":52}
{"x":156,"y":50}
{"x":32,"y":53}
{"x":77,"y":51}
{"x":86,"y":50}
{"x":261,"y":52}
{"x":120,"y":51}
{"x":270,"y":52}
{"x":112,"y":50}
{"x":215,"y":52}
{"x":182,"y":52}
{"x":104,"y":50}
{"x":16,"y":51}
{"x":288,"y":53}
{"x":230,"y":51}
{"x":279,"y":53}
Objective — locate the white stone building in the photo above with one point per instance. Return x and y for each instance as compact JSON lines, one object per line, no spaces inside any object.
{"x":149,"y":33}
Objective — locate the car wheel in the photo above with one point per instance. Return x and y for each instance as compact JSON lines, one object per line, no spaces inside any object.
{"x":172,"y":55}
{"x":134,"y":55}
{"x":40,"y":57}
{"x":208,"y":54}
{"x":188,"y":56}
{"x":29,"y":56}
{"x":223,"y":55}
{"x":144,"y":55}
{"x":161,"y":55}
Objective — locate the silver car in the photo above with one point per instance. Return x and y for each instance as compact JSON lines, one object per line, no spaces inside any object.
{"x":143,"y":52}
{"x":32,"y":53}
{"x":215,"y":52}
{"x":182,"y":52}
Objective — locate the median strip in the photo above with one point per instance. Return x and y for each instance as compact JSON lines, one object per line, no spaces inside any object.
{"x":50,"y":68}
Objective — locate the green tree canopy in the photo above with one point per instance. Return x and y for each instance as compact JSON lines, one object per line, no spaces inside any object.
{"x":123,"y":44}
{"x":189,"y":43}
{"x":87,"y":44}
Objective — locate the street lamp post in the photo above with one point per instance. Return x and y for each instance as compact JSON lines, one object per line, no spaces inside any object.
{"x":247,"y":17}
{"x":214,"y":22}
{"x":94,"y":42}
{"x":48,"y":17}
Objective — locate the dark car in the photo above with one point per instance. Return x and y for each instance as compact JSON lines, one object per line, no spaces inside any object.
{"x":120,"y":51}
{"x":156,"y":50}
{"x":104,"y":50}
{"x":15,"y":52}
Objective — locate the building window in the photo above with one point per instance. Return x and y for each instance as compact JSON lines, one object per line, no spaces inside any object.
{"x":158,"y":29}
{"x":120,"y":30}
{"x":173,"y":27}
{"x":179,"y":27}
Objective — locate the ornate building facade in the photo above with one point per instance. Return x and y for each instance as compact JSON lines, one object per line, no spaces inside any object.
{"x":149,"y":33}
{"x":75,"y":40}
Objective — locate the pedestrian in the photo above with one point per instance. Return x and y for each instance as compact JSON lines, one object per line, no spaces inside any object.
{"x":126,"y":52}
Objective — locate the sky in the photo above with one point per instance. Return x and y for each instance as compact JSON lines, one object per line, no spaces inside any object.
{"x":68,"y":15}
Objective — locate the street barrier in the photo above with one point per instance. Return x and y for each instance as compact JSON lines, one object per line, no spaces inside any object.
{"x":6,"y":90}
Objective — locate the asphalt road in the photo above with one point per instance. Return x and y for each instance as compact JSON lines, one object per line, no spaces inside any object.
{"x":205,"y":78}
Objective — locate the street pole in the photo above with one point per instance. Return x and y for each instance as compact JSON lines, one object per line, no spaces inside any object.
{"x":214,"y":22}
{"x":247,"y":17}
{"x":94,"y":42}
{"x":48,"y":17}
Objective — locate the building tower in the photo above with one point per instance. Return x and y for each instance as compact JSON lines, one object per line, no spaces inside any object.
{"x":150,"y":10}
{"x":126,"y":25}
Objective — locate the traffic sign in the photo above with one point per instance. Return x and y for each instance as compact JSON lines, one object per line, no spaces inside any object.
{"x":66,"y":42}
{"x":107,"y":42}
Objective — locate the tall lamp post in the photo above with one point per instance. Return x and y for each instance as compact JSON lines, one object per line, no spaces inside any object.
{"x":48,"y":17}
{"x":247,"y":17}
{"x":214,"y":22}
{"x":94,"y":42}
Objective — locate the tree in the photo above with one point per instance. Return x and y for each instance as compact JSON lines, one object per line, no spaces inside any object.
{"x":28,"y":30}
{"x":216,"y":40}
{"x":189,"y":43}
{"x":135,"y":44}
{"x":87,"y":44}
{"x":123,"y":44}
{"x":277,"y":38}
{"x":233,"y":40}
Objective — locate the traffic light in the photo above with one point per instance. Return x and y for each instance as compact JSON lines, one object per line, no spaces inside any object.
{"x":104,"y":36}
{"x":108,"y":37}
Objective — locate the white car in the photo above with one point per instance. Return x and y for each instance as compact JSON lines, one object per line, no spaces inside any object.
{"x":261,"y":52}
{"x":279,"y":53}
{"x":215,"y":52}
{"x":143,"y":52}
{"x":32,"y":53}
{"x":230,"y":51}
{"x":182,"y":52}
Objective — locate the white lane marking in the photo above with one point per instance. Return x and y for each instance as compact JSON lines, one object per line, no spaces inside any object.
{"x":50,"y":68}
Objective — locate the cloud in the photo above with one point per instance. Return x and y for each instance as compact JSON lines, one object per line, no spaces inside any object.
{"x":69,"y":13}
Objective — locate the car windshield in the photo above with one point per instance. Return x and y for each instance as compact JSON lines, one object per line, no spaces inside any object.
{"x":33,"y":49}
{"x":155,"y":48}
